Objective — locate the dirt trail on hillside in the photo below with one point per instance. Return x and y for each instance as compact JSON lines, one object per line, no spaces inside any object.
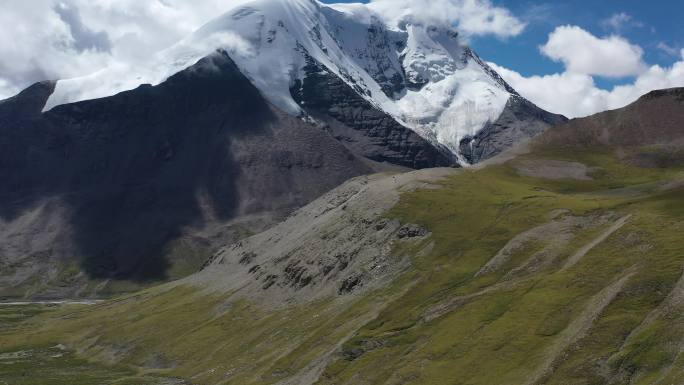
{"x":453,"y":303}
{"x":672,"y":307}
{"x":555,"y":235}
{"x":578,"y":328}
{"x":575,"y":258}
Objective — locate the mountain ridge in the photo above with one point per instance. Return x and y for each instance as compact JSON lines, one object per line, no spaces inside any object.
{"x":424,"y":76}
{"x":137,"y":174}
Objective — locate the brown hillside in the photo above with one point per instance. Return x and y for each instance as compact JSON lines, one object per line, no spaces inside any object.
{"x":657,"y":118}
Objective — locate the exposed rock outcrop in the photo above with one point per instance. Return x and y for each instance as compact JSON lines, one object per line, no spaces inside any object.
{"x":340,"y":244}
{"x":362,"y":127}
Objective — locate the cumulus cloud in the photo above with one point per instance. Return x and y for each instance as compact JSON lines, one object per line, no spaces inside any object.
{"x":583,"y":53}
{"x":472,"y":17}
{"x":575,"y":94}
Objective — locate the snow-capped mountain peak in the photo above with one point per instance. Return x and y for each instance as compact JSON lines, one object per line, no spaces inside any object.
{"x":422,"y":75}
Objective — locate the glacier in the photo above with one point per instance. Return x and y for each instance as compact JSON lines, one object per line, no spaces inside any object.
{"x":424,"y":76}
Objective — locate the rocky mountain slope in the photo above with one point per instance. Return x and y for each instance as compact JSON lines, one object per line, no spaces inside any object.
{"x":143,"y":184}
{"x":134,"y":175}
{"x":557,"y":263}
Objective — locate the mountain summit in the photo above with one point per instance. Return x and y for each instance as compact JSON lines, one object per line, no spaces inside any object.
{"x":424,"y":76}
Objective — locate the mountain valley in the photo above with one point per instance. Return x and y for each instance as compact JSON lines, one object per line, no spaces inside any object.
{"x":556,"y":262}
{"x":304,"y":193}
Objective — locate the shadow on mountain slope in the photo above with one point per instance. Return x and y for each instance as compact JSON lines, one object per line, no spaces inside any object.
{"x":132,"y":171}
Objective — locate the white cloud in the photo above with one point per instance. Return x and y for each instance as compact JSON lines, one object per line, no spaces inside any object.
{"x":583,"y":53}
{"x":472,"y":17}
{"x":35,"y":43}
{"x":574,"y":92}
{"x":574,"y":95}
{"x":151,"y":70}
{"x":58,"y":39}
{"x":619,"y":21}
{"x":7,"y":89}
{"x":567,"y":93}
{"x":668,"y":49}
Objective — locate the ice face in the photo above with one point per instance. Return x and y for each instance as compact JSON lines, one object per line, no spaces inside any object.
{"x":421,"y":75}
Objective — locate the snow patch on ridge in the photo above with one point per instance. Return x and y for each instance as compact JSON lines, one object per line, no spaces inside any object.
{"x":423,"y":76}
{"x":157,"y":69}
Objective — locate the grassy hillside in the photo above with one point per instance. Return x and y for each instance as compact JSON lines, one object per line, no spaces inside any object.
{"x":536,"y":318}
{"x":562,"y":266}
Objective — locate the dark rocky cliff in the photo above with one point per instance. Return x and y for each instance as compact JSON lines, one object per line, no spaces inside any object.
{"x":520,"y":120}
{"x":362,"y":127}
